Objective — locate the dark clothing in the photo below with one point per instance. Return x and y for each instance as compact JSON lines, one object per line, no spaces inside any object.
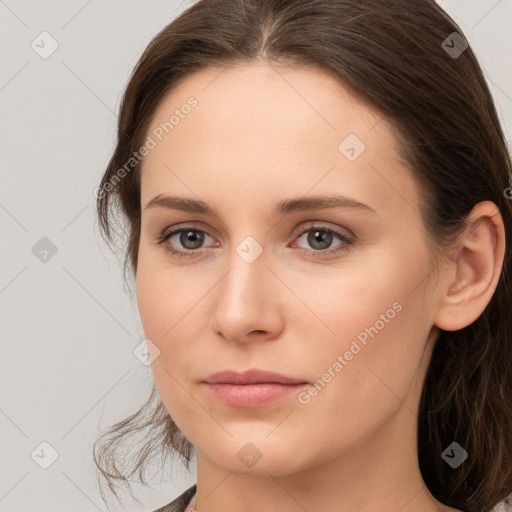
{"x":181,"y":502}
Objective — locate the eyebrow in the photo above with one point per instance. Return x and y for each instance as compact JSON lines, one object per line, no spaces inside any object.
{"x":283,"y":207}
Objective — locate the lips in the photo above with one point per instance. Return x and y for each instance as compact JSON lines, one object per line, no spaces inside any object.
{"x":252,"y":388}
{"x":252,"y":376}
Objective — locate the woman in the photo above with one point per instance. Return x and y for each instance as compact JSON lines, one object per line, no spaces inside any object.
{"x":319,"y":232}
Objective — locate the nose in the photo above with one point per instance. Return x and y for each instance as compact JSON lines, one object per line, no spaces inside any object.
{"x":247,"y":304}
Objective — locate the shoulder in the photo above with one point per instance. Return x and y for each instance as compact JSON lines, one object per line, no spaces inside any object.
{"x":180,"y":503}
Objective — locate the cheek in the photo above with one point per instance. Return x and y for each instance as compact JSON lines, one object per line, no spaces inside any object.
{"x":380,"y":325}
{"x":171,"y":307}
{"x":167,"y":296}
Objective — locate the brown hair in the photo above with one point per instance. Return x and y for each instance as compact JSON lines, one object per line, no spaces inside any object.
{"x":403,"y":59}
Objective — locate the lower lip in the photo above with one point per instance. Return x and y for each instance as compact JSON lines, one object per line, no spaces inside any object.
{"x":252,"y":395}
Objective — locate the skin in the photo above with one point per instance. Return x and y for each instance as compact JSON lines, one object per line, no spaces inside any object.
{"x":261,"y":134}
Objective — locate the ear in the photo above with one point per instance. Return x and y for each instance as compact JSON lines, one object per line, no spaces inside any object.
{"x":474,"y":273}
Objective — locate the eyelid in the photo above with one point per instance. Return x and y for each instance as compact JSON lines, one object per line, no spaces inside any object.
{"x":319,"y":224}
{"x":195,"y":225}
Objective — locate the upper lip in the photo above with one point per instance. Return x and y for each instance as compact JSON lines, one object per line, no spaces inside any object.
{"x":252,"y":376}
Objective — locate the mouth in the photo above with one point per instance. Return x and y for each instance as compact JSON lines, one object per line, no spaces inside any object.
{"x":252,"y":388}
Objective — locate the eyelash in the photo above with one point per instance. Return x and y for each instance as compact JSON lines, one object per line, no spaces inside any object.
{"x":347,"y":242}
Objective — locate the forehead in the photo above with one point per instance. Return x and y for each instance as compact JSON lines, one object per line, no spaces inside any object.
{"x":303,"y":101}
{"x":270,"y":129}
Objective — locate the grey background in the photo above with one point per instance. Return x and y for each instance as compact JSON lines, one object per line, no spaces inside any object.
{"x":68,"y":328}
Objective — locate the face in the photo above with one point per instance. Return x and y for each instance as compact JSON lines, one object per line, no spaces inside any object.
{"x":332,"y":294}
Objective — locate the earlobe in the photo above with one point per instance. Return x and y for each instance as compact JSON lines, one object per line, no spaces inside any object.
{"x":476,"y":267}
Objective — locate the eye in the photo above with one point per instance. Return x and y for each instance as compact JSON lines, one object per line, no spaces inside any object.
{"x":321,"y":238}
{"x":189,"y":238}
